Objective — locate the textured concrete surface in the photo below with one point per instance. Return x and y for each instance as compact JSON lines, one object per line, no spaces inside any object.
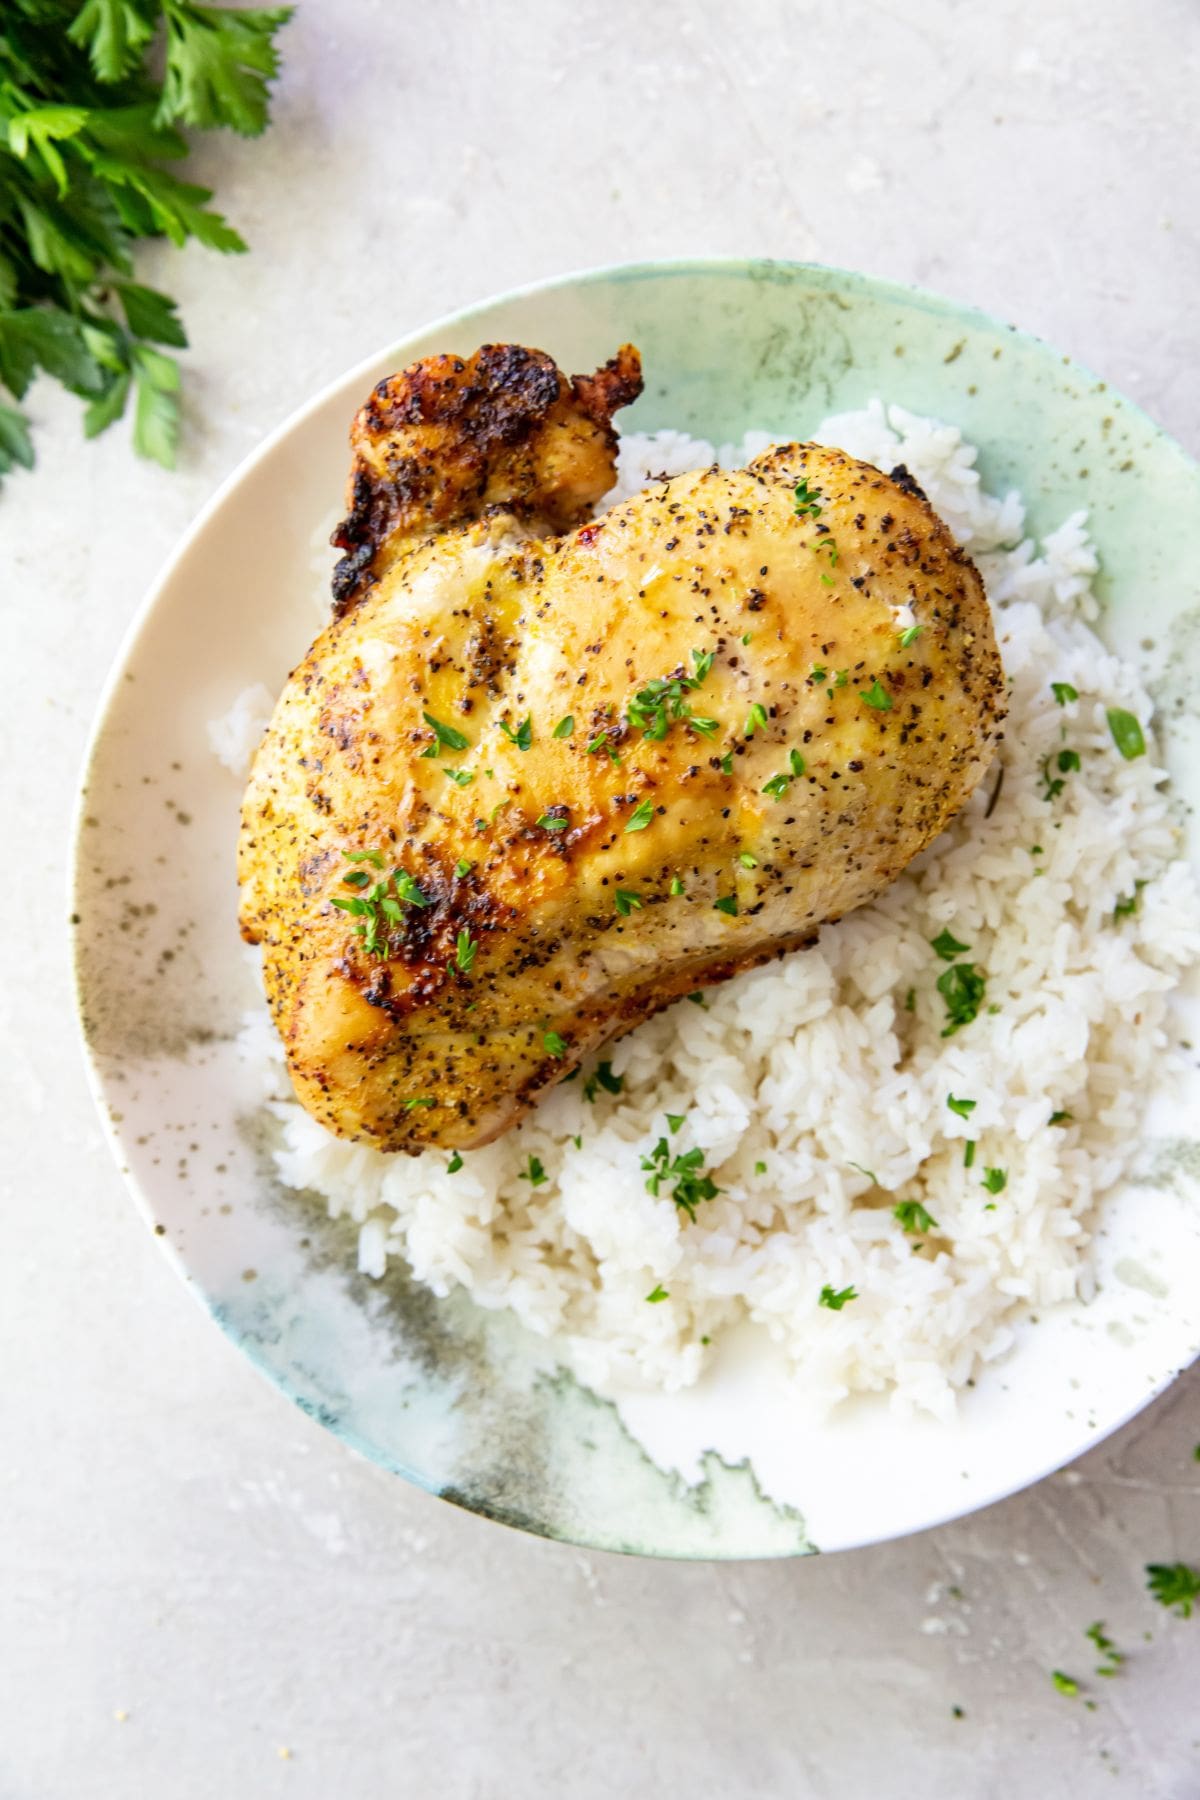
{"x":201,"y":1593}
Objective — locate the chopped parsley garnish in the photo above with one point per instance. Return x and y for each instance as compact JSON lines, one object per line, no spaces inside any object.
{"x":380,"y":910}
{"x":455,"y":1164}
{"x":1126,"y":733}
{"x":1175,"y":1585}
{"x":1061,"y":1118}
{"x":756,"y":719}
{"x":371,"y":856}
{"x":964,"y":1108}
{"x":465,"y":947}
{"x":995,"y":1180}
{"x":421,"y":1100}
{"x":726,"y":904}
{"x":600,"y":742}
{"x":876,"y":696}
{"x":552,"y":822}
{"x":675,"y":1120}
{"x":460,"y":777}
{"x":603,"y":1078}
{"x":520,"y":735}
{"x":1129,"y":902}
{"x":626,"y":901}
{"x":462,"y":868}
{"x":564,"y":728}
{"x":447,"y":736}
{"x":747,"y":861}
{"x":962,"y":987}
{"x":808,"y":500}
{"x":554,"y":1045}
{"x":947,"y":946}
{"x":676,"y":886}
{"x":969,"y":1153}
{"x":663,"y":702}
{"x":909,"y":635}
{"x":1066,"y":1684}
{"x":842,"y":678}
{"x":1063,"y":692}
{"x":697,"y":999}
{"x":535,"y":1174}
{"x":689,"y":1185}
{"x":913,"y":1216}
{"x":1053,"y":785}
{"x":819,"y":672}
{"x":408,"y":890}
{"x":746,"y":636}
{"x":640,"y":817}
{"x":727,"y":763}
{"x":778,"y":785}
{"x":1112,"y":1657}
{"x":760,"y":1168}
{"x":869,"y":1173}
{"x":660,"y":1293}
{"x":836,"y":1299}
{"x":910,"y":1000}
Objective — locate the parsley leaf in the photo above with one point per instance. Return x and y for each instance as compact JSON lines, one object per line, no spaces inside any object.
{"x":448,"y":736}
{"x":660,"y":1293}
{"x":554,"y":1045}
{"x":913,"y":1216}
{"x":520,"y":735}
{"x":726,"y":904}
{"x":909,"y":635}
{"x":876,"y":696}
{"x":534,"y":1174}
{"x":219,"y":60}
{"x":964,"y":1108}
{"x":92,"y":94}
{"x":948,"y":946}
{"x":1063,"y":692}
{"x":995,"y":1180}
{"x":1126,"y":733}
{"x":564,"y":728}
{"x":836,"y":1300}
{"x":465,"y":948}
{"x":689,"y":1185}
{"x":603,"y":1078}
{"x":962,"y":987}
{"x":1175,"y":1585}
{"x":455,"y":1163}
{"x":640,"y":817}
{"x":626,"y":901}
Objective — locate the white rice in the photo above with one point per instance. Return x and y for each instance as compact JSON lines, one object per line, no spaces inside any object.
{"x":797,"y":1079}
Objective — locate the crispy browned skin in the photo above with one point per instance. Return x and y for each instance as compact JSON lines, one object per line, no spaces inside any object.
{"x":478,"y":624}
{"x":452,"y":436}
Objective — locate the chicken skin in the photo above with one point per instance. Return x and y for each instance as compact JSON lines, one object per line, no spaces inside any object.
{"x":541,"y":777}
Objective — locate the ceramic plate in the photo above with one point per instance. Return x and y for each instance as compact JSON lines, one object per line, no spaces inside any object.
{"x":461,"y":1401}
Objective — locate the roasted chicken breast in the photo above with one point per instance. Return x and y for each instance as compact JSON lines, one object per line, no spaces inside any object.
{"x":541,"y":777}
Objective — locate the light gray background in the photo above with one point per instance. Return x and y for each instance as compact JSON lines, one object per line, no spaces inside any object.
{"x":176,"y":1543}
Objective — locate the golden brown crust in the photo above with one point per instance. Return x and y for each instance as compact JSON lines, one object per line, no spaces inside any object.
{"x":450,"y":436}
{"x":521,"y":845}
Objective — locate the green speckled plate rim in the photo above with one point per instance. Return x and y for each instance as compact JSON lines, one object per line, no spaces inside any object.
{"x":831,"y":280}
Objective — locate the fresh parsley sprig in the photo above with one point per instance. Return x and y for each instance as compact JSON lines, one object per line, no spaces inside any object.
{"x":88,"y":128}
